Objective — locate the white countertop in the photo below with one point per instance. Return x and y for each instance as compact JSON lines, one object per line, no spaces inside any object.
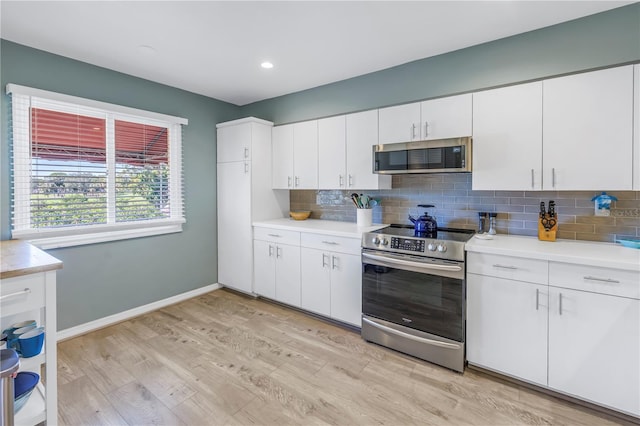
{"x":316,"y":226}
{"x":606,"y":255}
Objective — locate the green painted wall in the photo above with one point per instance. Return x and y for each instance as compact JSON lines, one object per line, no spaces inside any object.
{"x":103,"y":279}
{"x":595,"y":41}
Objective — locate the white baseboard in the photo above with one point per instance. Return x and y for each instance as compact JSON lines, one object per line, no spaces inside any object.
{"x":123,"y":316}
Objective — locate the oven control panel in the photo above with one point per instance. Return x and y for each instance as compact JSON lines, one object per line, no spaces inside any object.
{"x":408,"y":244}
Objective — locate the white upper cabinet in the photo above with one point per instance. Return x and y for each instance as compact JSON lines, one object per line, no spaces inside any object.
{"x":444,"y":118}
{"x":295,"y":156}
{"x":399,"y":123}
{"x":234,"y":143}
{"x":332,"y":150}
{"x":345,"y":152}
{"x":362,"y":134}
{"x":587,"y":131}
{"x":507,"y":138}
{"x":305,"y":155}
{"x":282,"y":156}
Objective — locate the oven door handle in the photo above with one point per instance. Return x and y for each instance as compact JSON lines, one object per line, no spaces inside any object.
{"x":393,"y":261}
{"x":411,"y":336}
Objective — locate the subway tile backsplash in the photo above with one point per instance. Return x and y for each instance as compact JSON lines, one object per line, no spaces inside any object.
{"x":457,"y":205}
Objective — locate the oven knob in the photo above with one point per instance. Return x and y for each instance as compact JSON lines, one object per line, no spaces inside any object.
{"x":376,"y":240}
{"x":385,"y":241}
{"x":442,"y":248}
{"x":431,"y":247}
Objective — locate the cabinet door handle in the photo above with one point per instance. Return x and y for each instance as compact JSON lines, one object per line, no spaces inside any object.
{"x":325,"y":260}
{"x":532,"y":180}
{"x":16,"y":294}
{"x":340,"y":181}
{"x":332,"y":243}
{"x":297,"y":181}
{"x":350,"y":180}
{"x":246,"y":153}
{"x":270,"y":250}
{"x":537,"y":298}
{"x":602,"y":280}
{"x":334,"y":262}
{"x":413,"y":131}
{"x":288,"y":181}
{"x":504,"y":267}
{"x":278,"y":252}
{"x":553,"y":177}
{"x":560,"y":304}
{"x":246,"y":168}
{"x":426,"y":129}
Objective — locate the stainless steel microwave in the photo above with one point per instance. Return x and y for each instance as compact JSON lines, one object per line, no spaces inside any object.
{"x":435,"y":156}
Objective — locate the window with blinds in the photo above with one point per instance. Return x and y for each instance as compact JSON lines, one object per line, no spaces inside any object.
{"x":85,"y":171}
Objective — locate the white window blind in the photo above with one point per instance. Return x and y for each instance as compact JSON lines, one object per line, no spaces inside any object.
{"x":85,"y":171}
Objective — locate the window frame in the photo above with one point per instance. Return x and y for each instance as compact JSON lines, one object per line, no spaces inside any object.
{"x":48,"y":238}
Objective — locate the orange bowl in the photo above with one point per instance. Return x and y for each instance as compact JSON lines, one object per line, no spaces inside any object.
{"x":300,"y":214}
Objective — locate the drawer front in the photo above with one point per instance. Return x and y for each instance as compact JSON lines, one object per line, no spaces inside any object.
{"x":615,"y":282}
{"x":277,"y":236}
{"x":513,"y":268}
{"x":20,"y":294}
{"x":331,"y":243}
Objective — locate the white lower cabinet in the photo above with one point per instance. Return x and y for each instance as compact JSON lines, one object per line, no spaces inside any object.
{"x":331,"y":277}
{"x":594,"y":348}
{"x":507,"y":326}
{"x":277,"y":265}
{"x":578,"y":332}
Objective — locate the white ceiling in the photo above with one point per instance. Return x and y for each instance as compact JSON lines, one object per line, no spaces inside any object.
{"x":215,"y":48}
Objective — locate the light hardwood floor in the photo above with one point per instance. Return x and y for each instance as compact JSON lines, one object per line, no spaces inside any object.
{"x":227,"y":359}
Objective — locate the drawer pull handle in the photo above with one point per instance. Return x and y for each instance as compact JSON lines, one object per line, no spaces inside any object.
{"x":504,"y":267}
{"x":332,"y":243}
{"x":17,"y":293}
{"x":602,"y":280}
{"x":274,"y":235}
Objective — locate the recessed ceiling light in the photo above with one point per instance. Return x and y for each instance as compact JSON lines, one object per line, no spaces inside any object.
{"x":266,"y":65}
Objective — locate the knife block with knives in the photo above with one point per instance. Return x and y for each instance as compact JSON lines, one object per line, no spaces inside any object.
{"x":547,"y":222}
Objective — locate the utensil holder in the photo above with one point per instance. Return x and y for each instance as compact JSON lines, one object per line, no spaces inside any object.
{"x":364,"y":217}
{"x":549,"y":234}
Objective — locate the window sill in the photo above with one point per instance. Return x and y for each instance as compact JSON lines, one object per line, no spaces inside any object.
{"x":55,"y":242}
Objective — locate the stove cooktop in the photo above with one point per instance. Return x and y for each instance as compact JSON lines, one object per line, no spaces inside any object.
{"x":445,"y":234}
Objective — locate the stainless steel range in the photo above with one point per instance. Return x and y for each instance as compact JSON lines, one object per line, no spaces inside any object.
{"x":413,"y":292}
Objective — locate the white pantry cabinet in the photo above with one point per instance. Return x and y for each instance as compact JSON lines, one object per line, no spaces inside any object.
{"x":588,"y":130}
{"x":295,"y":156}
{"x":442,"y":118}
{"x":507,"y":138}
{"x":277,"y":265}
{"x":345,"y":152}
{"x":244,"y":195}
{"x":331,"y":277}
